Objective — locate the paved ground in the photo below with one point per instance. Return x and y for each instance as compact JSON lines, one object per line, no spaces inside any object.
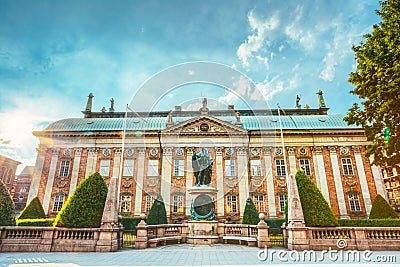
{"x":186,"y":255}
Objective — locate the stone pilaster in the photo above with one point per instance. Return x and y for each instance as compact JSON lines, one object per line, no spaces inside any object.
{"x":50,"y":180}
{"x":37,"y":175}
{"x":75,"y":170}
{"x":363,"y":179}
{"x":117,"y":162}
{"x":139,"y":181}
{"x":270,"y":181}
{"x":243,"y":177}
{"x":166,"y":178}
{"x":338,"y":183}
{"x":220,"y":181}
{"x":378,"y":179}
{"x":319,"y":168}
{"x":189,"y":177}
{"x":91,"y":162}
{"x":292,"y":159}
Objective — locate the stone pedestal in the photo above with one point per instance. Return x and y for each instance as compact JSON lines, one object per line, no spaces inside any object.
{"x":202,"y":232}
{"x":203,"y":228}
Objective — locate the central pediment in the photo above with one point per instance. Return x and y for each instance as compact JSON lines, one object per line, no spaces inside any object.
{"x":205,"y":125}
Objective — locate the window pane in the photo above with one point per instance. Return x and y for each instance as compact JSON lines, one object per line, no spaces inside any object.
{"x":305,"y":165}
{"x":105,"y":168}
{"x":58,"y":203}
{"x":259,"y":203}
{"x":128,"y":167}
{"x":178,"y":167}
{"x":126,"y":203}
{"x":354,"y":202}
{"x":149,"y":202}
{"x":177,"y":202}
{"x":231,"y":203}
{"x":64,"y":168}
{"x":152,"y":168}
{"x":282,"y":202}
{"x":280,"y":167}
{"x":347,"y":166}
{"x":256,"y":167}
{"x":230,"y":167}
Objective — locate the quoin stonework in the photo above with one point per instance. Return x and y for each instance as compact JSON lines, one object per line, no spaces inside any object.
{"x":245,"y":145}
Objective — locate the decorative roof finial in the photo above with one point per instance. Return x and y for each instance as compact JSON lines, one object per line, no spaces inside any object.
{"x":298,"y":105}
{"x":204,"y":109}
{"x":170,"y":122}
{"x":321,"y":101}
{"x":89,"y":103}
{"x":111,"y":109}
{"x":238,"y":121}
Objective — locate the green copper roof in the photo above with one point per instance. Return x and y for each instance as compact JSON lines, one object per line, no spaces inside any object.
{"x":295,"y":122}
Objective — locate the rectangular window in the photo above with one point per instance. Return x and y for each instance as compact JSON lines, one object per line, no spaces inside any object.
{"x":389,"y":172}
{"x":126,"y":202}
{"x":58,"y":203}
{"x":305,"y":166}
{"x":179,"y":167}
{"x":149,"y":202}
{"x":105,"y":167}
{"x":10,"y":172}
{"x":231,"y":204}
{"x":354,"y":202}
{"x":255,"y":167}
{"x":177,"y":204}
{"x":347,"y":166}
{"x":230,"y":167}
{"x":282,"y":202}
{"x":152,"y":169}
{"x":128,"y":167}
{"x":280,"y":167}
{"x":64,"y":168}
{"x":259,"y":203}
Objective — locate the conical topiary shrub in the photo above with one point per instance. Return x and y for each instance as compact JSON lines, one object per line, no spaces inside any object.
{"x":7,"y":208}
{"x":315,"y":208}
{"x":250,"y":215}
{"x":84,"y":208}
{"x":381,"y":209}
{"x":157,"y":213}
{"x":34,"y":210}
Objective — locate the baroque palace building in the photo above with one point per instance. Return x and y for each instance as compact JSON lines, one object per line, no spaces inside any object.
{"x":245,"y":145}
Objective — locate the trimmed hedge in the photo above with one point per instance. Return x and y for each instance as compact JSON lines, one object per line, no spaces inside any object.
{"x":44,"y":222}
{"x":7,"y":208}
{"x":315,"y":208}
{"x":250,"y":215}
{"x":34,"y":210}
{"x":370,"y":222}
{"x":275,"y":225}
{"x":157,"y":213}
{"x":130,"y":223}
{"x":84,"y":208}
{"x":381,"y":209}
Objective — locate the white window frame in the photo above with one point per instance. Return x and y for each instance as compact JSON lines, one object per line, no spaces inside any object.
{"x":64,"y":168}
{"x":149,"y":202}
{"x":128,"y":167}
{"x":305,"y":166}
{"x":152,"y":167}
{"x":126,"y":203}
{"x":282,"y":202}
{"x":354,"y":202}
{"x":231,"y":204}
{"x":280,"y":167}
{"x":179,"y":167}
{"x":256,"y":169}
{"x":58,"y":202}
{"x":105,"y":168}
{"x":177,"y":204}
{"x":230,"y":168}
{"x":347,"y":166}
{"x":259,"y":202}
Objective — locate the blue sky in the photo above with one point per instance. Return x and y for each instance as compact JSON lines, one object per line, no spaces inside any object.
{"x":53,"y":53}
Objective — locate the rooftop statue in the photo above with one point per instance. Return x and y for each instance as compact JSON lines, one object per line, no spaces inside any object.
{"x":202,"y":167}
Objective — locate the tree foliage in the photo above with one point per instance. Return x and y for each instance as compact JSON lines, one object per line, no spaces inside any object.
{"x":84,"y":208}
{"x":7,"y":208}
{"x":377,"y":84}
{"x":381,"y":209}
{"x":250,"y":215}
{"x":315,"y":208}
{"x":157,"y":213}
{"x":34,"y":210}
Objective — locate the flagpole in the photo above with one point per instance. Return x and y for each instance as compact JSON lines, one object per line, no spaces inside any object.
{"x":282,"y":142}
{"x":122,"y":157}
